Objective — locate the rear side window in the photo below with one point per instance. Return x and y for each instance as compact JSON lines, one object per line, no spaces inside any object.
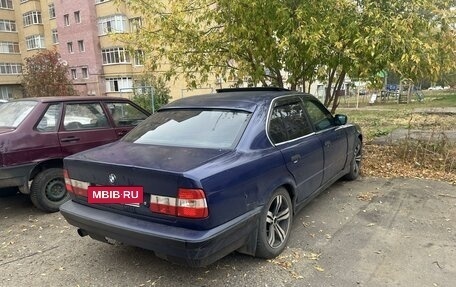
{"x":320,"y":117}
{"x":288,"y":121}
{"x":124,"y":114}
{"x":49,"y":122}
{"x":84,"y":116}
{"x":13,"y":113}
{"x":219,"y":129}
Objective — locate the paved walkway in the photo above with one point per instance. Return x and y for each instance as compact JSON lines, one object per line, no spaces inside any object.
{"x":444,"y":111}
{"x":426,"y":135}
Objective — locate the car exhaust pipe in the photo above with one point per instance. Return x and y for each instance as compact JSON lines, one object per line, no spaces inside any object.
{"x":82,"y":232}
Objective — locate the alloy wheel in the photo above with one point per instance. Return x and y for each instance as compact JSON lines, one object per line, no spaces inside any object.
{"x":278,"y":221}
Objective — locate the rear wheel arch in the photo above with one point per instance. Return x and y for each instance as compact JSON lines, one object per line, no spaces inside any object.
{"x":287,"y":182}
{"x":291,"y":192}
{"x":52,"y":163}
{"x":38,"y":168}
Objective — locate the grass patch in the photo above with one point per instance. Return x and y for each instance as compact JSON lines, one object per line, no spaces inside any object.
{"x":435,"y":152}
{"x":441,"y":100}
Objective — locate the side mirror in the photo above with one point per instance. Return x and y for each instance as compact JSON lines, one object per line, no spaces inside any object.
{"x":340,"y":119}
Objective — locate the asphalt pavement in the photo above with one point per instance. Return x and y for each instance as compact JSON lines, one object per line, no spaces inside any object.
{"x":369,"y":232}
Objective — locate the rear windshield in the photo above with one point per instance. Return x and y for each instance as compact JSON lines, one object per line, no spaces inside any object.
{"x":219,"y":129}
{"x":13,"y":113}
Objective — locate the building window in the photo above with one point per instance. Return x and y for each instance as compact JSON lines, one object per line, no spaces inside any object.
{"x":81,"y":45}
{"x":23,"y":1}
{"x":122,"y":84}
{"x":6,"y":4}
{"x":139,"y":58}
{"x":55,"y":36}
{"x":31,"y":18}
{"x":9,"y":47}
{"x":5,"y":92}
{"x":77,"y":17}
{"x":10,"y":69}
{"x":85,"y":72}
{"x":66,"y":20}
{"x":74,"y":74}
{"x":135,"y":24}
{"x":112,"y":24}
{"x":51,"y":11}
{"x":115,"y":56}
{"x":35,"y":42}
{"x":70,"y":47}
{"x":7,"y":26}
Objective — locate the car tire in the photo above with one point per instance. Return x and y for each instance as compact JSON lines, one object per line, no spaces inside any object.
{"x":48,"y":190}
{"x":8,"y":191}
{"x":355,"y":163}
{"x":275,"y":225}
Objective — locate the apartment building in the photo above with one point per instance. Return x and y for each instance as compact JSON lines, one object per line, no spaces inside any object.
{"x":98,"y":64}
{"x":81,"y":31}
{"x":10,"y":56}
{"x":25,"y":28}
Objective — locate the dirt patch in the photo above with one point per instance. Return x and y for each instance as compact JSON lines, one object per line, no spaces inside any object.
{"x":418,"y":143}
{"x":386,"y":161}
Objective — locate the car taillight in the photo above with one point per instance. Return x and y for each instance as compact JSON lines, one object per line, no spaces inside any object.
{"x":68,"y":186}
{"x":74,"y":186}
{"x":163,"y":204}
{"x":190,"y":203}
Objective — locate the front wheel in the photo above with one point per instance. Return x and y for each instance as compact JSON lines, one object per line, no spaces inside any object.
{"x":355,"y":164}
{"x":48,"y":190}
{"x":275,"y":225}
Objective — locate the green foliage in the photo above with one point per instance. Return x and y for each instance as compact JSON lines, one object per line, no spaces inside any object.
{"x":150,"y":87}
{"x":44,"y":75}
{"x":276,"y":42}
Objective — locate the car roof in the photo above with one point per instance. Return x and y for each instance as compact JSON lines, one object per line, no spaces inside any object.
{"x":238,"y":98}
{"x":72,"y":98}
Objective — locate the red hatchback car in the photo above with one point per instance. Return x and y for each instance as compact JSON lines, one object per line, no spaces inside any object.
{"x":37,"y":133}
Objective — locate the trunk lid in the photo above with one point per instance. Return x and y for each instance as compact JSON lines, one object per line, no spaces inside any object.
{"x":159,"y":170}
{"x":153,"y":157}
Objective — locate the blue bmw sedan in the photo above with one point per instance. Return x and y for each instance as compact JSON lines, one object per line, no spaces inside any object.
{"x":212,"y":174}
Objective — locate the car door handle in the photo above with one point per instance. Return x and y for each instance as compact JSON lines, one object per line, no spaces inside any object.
{"x":70,"y":139}
{"x":122,"y":133}
{"x":295,"y":158}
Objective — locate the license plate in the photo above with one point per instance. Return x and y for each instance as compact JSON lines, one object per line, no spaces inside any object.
{"x":130,"y":195}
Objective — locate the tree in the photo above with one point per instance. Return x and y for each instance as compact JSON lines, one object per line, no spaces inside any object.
{"x":46,"y":75}
{"x":150,"y":87}
{"x":417,"y":35}
{"x":293,"y":43}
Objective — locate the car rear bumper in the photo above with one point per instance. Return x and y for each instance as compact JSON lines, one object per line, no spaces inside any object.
{"x":176,"y":244}
{"x":15,"y":175}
